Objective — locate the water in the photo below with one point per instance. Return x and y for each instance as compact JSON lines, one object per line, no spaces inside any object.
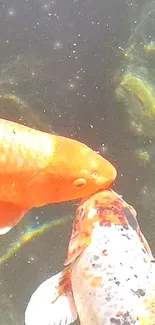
{"x":58,"y":59}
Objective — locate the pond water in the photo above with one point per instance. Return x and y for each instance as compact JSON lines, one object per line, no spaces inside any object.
{"x":58,"y":63}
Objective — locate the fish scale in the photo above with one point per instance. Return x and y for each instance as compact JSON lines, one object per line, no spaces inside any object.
{"x":23,"y":148}
{"x":127,"y":274}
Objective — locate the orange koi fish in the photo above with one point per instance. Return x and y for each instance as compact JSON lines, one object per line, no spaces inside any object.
{"x":110,"y":272}
{"x":38,"y":168}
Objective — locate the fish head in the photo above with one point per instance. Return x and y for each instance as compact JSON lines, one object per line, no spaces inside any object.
{"x":71,"y":172}
{"x":104,"y":208}
{"x":95,"y":171}
{"x":84,"y":171}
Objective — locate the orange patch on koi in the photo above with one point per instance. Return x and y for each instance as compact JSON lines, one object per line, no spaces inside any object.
{"x":96,"y":281}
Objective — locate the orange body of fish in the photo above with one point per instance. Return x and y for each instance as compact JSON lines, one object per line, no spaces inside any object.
{"x":38,"y":168}
{"x":110,"y":272}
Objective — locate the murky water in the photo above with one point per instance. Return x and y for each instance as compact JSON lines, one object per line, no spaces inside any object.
{"x":57,"y":63}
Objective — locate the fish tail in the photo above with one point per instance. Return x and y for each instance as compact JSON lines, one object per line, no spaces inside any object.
{"x":52,"y":303}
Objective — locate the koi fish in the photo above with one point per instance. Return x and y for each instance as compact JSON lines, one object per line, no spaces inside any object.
{"x":109,"y":275}
{"x":38,"y":168}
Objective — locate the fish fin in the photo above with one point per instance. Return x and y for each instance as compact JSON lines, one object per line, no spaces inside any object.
{"x":10,"y":215}
{"x":145,"y":243}
{"x":52,"y":303}
{"x":4,"y":230}
{"x":76,"y":246}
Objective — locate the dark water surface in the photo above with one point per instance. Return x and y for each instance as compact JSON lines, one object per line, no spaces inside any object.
{"x":57,"y":63}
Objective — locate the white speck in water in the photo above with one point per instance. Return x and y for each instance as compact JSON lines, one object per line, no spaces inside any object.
{"x":31,"y":259}
{"x":57,"y":45}
{"x":104,"y":148}
{"x":11,"y":12}
{"x":45,"y":6}
{"x":130,"y":4}
{"x":71,"y":86}
{"x":145,"y":190}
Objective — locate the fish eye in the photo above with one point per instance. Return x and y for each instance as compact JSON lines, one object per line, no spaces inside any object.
{"x":80,"y":182}
{"x":95,"y":175}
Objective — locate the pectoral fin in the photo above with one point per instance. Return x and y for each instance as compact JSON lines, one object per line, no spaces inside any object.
{"x":77,"y":245}
{"x":52,"y":303}
{"x":10,"y":215}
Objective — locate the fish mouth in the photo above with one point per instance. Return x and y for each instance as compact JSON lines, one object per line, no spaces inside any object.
{"x":104,"y":181}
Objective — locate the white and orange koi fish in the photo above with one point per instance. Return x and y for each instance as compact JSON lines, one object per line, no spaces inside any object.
{"x":109,"y":275}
